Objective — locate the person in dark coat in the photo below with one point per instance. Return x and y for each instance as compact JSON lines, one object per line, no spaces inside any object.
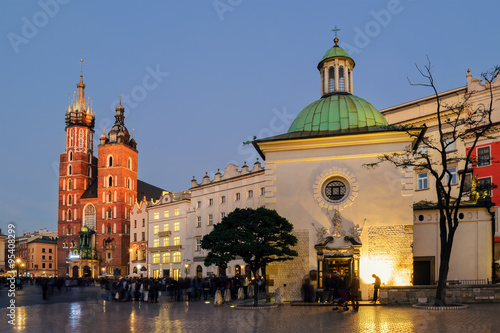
{"x":376,"y":287}
{"x":45,"y":287}
{"x":354,"y":292}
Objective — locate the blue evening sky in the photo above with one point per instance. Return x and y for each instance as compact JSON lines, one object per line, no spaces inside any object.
{"x":224,"y":71}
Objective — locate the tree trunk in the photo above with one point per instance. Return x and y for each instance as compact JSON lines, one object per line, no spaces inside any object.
{"x":444,"y":267}
{"x":255,"y":291}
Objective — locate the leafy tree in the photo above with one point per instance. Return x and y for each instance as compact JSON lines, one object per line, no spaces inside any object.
{"x":456,"y":123}
{"x":258,"y":236}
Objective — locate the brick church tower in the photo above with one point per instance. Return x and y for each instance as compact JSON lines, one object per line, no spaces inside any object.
{"x":116,"y":195}
{"x":77,"y":170}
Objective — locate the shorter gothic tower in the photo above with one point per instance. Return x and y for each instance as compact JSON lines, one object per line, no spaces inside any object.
{"x":116,"y":195}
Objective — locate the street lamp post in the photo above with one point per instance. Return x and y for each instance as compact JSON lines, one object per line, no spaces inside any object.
{"x":17,"y":266}
{"x":186,"y":266}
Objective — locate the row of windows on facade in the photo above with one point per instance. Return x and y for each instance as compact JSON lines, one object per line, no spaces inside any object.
{"x":70,"y":172}
{"x":80,"y":138}
{"x":43,"y":265}
{"x":237,"y":197}
{"x":108,"y":214}
{"x":483,"y":153}
{"x":166,"y":213}
{"x":105,"y":229}
{"x":166,"y":257}
{"x":423,"y":181}
{"x":43,"y":257}
{"x":43,"y":250}
{"x":331,"y":79}
{"x":165,"y":241}
{"x":483,"y":159}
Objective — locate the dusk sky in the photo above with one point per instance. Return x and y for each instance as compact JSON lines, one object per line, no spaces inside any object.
{"x":200,"y":77}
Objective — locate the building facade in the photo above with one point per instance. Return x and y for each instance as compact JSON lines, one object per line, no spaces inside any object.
{"x":167,"y":234}
{"x":212,"y":200}
{"x":139,"y":240}
{"x":478,"y":229}
{"x":42,"y":257}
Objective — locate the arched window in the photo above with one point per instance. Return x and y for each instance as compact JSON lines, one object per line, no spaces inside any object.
{"x":323,"y":81}
{"x":109,"y":228}
{"x":349,"y":80}
{"x":114,"y":228}
{"x":65,"y":245}
{"x":341,"y":79}
{"x":64,"y":231}
{"x":71,"y":156}
{"x":70,"y":200}
{"x":199,"y":271}
{"x":89,"y":216}
{"x":331,"y":79}
{"x":128,"y":183}
{"x":103,"y":229}
{"x":110,"y":213}
{"x":69,"y":214}
{"x":70,"y":183}
{"x":110,"y":161}
{"x":110,"y":197}
{"x":110,"y":181}
{"x":129,"y":163}
{"x":70,"y":170}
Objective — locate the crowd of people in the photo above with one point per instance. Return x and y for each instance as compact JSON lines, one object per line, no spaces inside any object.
{"x":191,"y":289}
{"x":336,"y":292}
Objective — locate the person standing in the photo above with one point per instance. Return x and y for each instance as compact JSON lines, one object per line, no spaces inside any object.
{"x":376,"y":287}
{"x":327,"y":298}
{"x":354,"y":292}
{"x":45,"y":287}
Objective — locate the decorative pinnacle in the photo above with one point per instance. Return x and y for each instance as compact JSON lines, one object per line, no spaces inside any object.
{"x":336,"y":40}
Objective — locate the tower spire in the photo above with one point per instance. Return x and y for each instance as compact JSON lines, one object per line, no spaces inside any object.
{"x":80,"y":97}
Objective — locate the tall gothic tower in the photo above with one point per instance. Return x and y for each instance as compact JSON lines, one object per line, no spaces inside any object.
{"x":77,"y":170}
{"x":116,"y":195}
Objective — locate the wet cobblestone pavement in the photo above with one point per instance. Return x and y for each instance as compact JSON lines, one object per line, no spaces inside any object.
{"x":94,"y":315}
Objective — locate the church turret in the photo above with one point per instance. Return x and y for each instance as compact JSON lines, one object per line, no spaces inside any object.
{"x":119,"y":133}
{"x":336,"y":70}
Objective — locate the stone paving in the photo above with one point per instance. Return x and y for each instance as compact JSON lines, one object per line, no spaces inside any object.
{"x":95,"y":314}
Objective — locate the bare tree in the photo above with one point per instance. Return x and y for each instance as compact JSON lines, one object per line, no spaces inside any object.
{"x":456,"y":123}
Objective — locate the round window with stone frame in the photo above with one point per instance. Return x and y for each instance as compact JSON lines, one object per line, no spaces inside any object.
{"x":336,"y":189}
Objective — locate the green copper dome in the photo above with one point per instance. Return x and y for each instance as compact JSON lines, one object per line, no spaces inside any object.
{"x":339,"y":113}
{"x":336,"y":51}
